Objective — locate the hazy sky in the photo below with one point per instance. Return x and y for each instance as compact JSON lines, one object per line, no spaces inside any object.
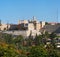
{"x":44,"y":10}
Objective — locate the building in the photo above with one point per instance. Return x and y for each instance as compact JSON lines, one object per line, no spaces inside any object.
{"x":24,"y":27}
{"x":52,"y":29}
{"x":8,"y":27}
{"x":3,"y":27}
{"x":30,"y":27}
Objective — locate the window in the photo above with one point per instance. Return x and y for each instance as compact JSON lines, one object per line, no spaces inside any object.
{"x":25,"y":25}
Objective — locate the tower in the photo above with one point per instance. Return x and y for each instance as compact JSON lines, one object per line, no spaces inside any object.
{"x":18,"y":21}
{"x":34,"y":18}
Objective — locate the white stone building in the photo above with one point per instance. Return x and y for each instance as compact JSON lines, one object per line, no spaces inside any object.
{"x":24,"y":28}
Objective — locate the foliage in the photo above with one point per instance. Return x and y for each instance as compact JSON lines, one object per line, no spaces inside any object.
{"x":30,"y":47}
{"x":51,"y":51}
{"x":18,"y":41}
{"x":7,"y":38}
{"x":7,"y":51}
{"x":38,"y":40}
{"x":53,"y":35}
{"x":47,"y":34}
{"x":38,"y":51}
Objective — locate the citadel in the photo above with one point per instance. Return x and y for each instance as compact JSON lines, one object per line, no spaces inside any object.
{"x":24,"y":27}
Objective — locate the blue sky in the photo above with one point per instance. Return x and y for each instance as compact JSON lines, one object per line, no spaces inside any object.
{"x":44,"y":10}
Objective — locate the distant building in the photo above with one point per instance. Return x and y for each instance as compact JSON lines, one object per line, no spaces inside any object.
{"x":31,"y":26}
{"x":24,"y":27}
{"x":51,"y":29}
{"x":52,"y":23}
{"x":42,"y":24}
{"x":12,"y":27}
{"x":8,"y":27}
{"x":3,"y":27}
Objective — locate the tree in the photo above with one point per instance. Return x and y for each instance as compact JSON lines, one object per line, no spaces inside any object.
{"x":18,"y":41}
{"x":39,"y":39}
{"x":46,"y":34}
{"x":7,"y":38}
{"x":52,"y":36}
{"x":51,"y":51}
{"x":38,"y":51}
{"x":7,"y":51}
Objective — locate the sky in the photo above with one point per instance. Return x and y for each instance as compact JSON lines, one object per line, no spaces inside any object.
{"x":44,"y":10}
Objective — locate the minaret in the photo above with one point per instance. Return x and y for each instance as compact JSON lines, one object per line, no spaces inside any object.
{"x":34,"y":18}
{"x":18,"y":21}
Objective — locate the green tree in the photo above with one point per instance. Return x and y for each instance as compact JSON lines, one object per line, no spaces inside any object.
{"x":8,"y":51}
{"x":7,"y":38}
{"x":46,"y":35}
{"x":51,"y":51}
{"x":39,"y":40}
{"x":38,"y":51}
{"x":52,"y":37}
{"x":18,"y":41}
